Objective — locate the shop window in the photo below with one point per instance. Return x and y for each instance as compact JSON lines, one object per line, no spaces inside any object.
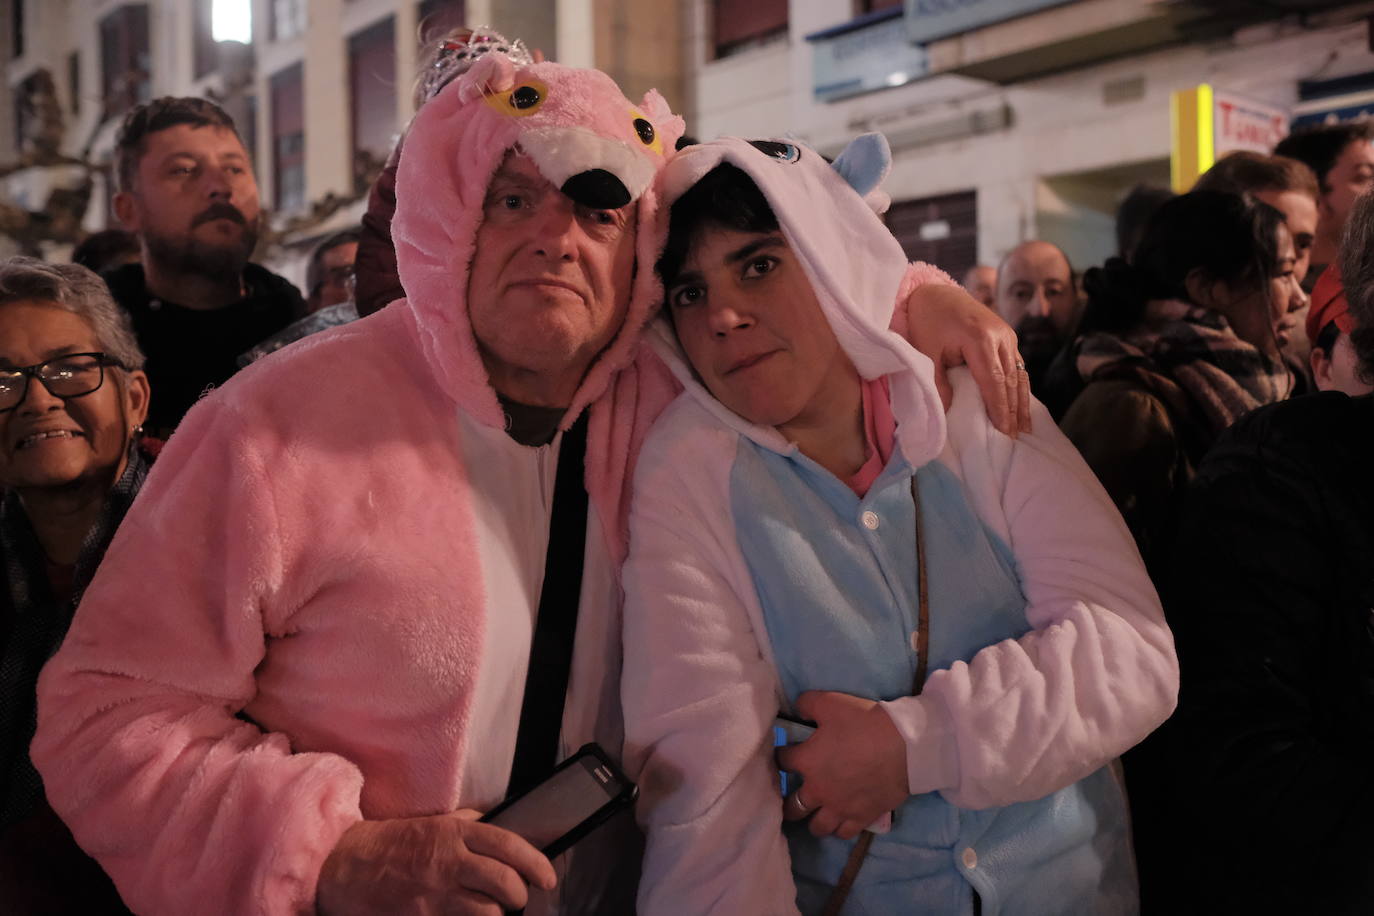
{"x":740,"y":23}
{"x":939,"y":230}
{"x":17,"y":28}
{"x":372,"y":84}
{"x":288,"y":138}
{"x":204,"y":51}
{"x":74,"y":81}
{"x":125,"y":68}
{"x":288,"y":19}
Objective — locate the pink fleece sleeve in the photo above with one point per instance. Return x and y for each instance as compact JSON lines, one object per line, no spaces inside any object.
{"x":918,"y":273}
{"x":1095,"y":674}
{"x":189,"y":808}
{"x":698,"y":695}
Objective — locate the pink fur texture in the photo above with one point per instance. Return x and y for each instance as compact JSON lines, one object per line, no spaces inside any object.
{"x":454,"y":147}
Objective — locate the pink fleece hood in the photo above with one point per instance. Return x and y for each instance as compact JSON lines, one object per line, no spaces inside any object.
{"x":584,"y":136}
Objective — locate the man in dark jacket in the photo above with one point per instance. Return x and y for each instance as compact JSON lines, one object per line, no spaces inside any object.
{"x":1260,"y":798}
{"x":186,"y":190}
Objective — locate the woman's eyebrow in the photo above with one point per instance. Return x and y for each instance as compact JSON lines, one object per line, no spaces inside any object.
{"x":745,"y":252}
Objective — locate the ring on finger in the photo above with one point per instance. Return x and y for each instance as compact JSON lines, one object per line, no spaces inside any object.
{"x":802,"y":806}
{"x":1020,"y":366}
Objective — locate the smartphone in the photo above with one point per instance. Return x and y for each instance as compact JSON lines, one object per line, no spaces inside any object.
{"x":579,"y":795}
{"x":787,"y":730}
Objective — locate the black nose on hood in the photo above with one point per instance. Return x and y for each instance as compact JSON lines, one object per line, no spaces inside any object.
{"x":598,"y":189}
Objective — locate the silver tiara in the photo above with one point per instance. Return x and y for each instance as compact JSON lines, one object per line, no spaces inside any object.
{"x":456,"y":55}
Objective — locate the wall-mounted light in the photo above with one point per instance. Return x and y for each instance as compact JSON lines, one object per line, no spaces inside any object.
{"x":232,"y":20}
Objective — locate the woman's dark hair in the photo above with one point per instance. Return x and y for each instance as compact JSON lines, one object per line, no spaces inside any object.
{"x":725,"y":198}
{"x":1232,"y":238}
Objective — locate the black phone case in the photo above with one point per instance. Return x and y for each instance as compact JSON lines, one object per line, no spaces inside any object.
{"x":624,"y":797}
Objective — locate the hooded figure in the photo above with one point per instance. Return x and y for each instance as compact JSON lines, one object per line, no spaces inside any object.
{"x":759,"y":574}
{"x":321,"y":609}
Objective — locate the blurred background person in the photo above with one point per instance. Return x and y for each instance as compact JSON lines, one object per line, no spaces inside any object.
{"x":72,"y":399}
{"x":1133,"y":214}
{"x":376,"y":280}
{"x":1259,"y":798}
{"x":331,"y":280}
{"x":1335,"y":364}
{"x":106,"y":250}
{"x":1178,"y":345}
{"x":1290,"y":187}
{"x":1341,"y":157}
{"x":329,"y":276}
{"x":981,"y":283}
{"x":187,"y":191}
{"x":1037,"y":296}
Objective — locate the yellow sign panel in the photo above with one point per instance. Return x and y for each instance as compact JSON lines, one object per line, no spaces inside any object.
{"x":1192,"y":151}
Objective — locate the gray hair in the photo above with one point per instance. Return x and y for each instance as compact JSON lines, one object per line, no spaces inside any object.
{"x":1356,"y":261}
{"x":79,"y":291}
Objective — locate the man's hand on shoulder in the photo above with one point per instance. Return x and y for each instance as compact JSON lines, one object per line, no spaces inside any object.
{"x":443,"y":864}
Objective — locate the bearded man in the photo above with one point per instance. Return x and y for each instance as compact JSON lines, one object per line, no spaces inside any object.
{"x":187,"y":191}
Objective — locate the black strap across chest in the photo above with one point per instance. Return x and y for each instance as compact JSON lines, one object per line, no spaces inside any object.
{"x":546,"y":682}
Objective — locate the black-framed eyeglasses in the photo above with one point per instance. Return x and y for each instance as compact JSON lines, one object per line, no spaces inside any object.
{"x":68,"y":376}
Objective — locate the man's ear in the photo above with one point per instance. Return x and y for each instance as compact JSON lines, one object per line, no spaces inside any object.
{"x":125,"y":210}
{"x":1321,"y":369}
{"x":1203,"y":290}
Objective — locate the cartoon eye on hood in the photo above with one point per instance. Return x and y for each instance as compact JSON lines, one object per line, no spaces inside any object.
{"x":522,"y":101}
{"x":785,"y":152}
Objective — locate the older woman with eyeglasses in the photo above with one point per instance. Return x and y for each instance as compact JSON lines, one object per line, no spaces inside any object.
{"x":73,"y":396}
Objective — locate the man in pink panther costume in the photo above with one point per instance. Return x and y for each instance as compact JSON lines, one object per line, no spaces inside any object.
{"x":302,"y":670}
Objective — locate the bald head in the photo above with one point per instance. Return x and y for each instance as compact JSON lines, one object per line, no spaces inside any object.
{"x":981,"y":283}
{"x":1035,"y":280}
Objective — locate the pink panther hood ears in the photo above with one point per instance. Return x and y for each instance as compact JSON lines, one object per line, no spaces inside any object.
{"x":584,"y":136}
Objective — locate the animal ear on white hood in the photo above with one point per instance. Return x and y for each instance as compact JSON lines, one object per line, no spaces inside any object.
{"x":865,"y":164}
{"x":854,"y":264}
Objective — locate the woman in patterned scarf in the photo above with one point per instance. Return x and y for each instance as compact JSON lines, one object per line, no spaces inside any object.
{"x":73,"y":396}
{"x":1177,"y":345}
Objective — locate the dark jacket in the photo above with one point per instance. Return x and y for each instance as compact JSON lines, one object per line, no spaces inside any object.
{"x":1257,"y":796}
{"x":192,"y":350}
{"x":1143,"y":436}
{"x":378,"y":282}
{"x":42,"y":870}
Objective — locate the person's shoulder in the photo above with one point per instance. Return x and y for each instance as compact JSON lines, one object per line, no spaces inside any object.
{"x":274,"y":287}
{"x":1324,"y":428}
{"x":367,"y":363}
{"x":686,"y":438}
{"x":127,"y":286}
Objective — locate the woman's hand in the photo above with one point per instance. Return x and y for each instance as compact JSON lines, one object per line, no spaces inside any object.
{"x":954,"y":329}
{"x":853,"y":768}
{"x":444,"y":864}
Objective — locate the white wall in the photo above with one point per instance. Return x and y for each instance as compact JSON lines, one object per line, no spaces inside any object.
{"x":1061,"y":124}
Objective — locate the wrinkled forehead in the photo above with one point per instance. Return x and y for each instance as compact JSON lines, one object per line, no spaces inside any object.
{"x":1035,"y":264}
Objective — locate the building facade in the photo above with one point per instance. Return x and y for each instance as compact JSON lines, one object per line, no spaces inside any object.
{"x":320,"y":91}
{"x":1011,"y":119}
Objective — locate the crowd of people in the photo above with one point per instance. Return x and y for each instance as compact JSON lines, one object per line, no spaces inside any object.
{"x":596,"y":433}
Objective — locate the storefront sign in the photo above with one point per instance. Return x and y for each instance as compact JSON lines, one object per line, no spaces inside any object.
{"x":1207,"y":124}
{"x":1239,"y":123}
{"x":927,"y":20}
{"x":848,"y":61}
